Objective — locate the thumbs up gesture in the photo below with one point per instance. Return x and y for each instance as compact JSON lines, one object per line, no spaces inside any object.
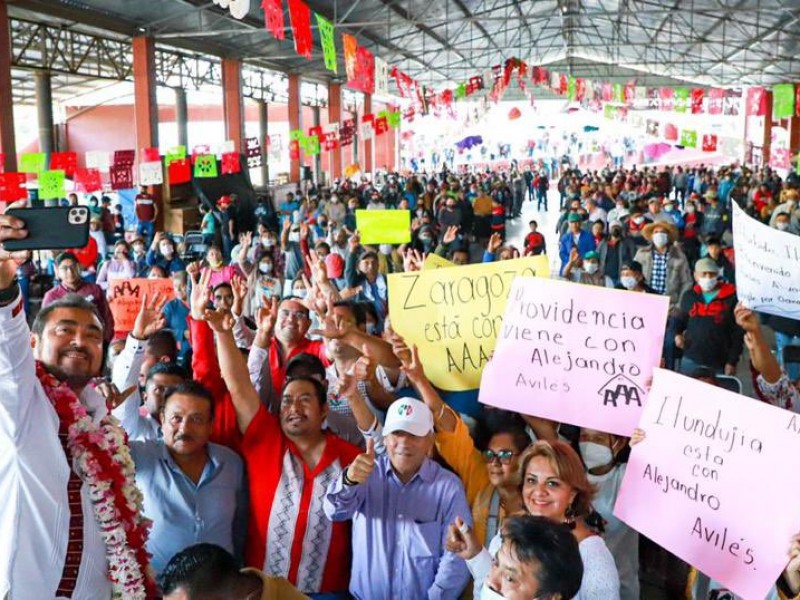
{"x":361,"y":468}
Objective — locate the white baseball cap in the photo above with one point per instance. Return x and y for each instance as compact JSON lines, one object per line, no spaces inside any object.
{"x":409,"y":415}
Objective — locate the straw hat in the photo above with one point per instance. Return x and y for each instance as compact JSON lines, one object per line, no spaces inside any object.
{"x":672,"y":231}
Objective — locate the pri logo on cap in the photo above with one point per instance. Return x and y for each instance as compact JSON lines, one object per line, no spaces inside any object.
{"x":405,"y":410}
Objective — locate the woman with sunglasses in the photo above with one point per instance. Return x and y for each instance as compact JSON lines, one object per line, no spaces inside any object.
{"x":491,"y":477}
{"x":554,"y":486}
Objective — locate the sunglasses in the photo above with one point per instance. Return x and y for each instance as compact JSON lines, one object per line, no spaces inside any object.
{"x":504,"y":456}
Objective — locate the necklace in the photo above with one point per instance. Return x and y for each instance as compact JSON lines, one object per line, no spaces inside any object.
{"x":102,"y":459}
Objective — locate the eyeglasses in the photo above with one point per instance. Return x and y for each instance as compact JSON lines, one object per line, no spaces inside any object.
{"x":504,"y":456}
{"x":285,"y":313}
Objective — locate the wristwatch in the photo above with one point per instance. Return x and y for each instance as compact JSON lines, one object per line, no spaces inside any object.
{"x":8,"y":295}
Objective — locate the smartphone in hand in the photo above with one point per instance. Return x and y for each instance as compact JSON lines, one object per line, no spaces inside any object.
{"x":55,"y":228}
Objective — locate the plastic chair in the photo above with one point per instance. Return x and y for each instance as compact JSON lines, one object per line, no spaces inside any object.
{"x":194,"y":246}
{"x":730,"y":383}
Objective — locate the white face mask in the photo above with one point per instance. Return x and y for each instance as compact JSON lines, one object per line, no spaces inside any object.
{"x":265,"y":268}
{"x":385,"y":249}
{"x":595,"y":455}
{"x":629,"y":283}
{"x":638,"y":220}
{"x":660,"y":239}
{"x":300,"y":293}
{"x":591,"y":267}
{"x":267,"y":242}
{"x":294,"y":237}
{"x":707,"y":283}
{"x":782,"y":226}
{"x":166,"y":249}
{"x":668,"y":207}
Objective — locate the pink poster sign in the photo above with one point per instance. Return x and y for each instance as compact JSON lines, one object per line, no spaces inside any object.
{"x":575,"y":353}
{"x":709,"y":482}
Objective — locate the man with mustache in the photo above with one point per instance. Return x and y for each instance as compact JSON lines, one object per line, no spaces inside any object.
{"x":60,"y":450}
{"x":193,"y":490}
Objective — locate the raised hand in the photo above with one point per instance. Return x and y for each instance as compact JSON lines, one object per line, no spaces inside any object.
{"x":637,"y":437}
{"x":220,"y":321}
{"x":268,"y":317}
{"x":150,"y":317}
{"x":361,"y":468}
{"x":316,"y":264}
{"x":348,"y":293}
{"x":304,"y":231}
{"x":245,"y":239}
{"x":494,"y":243}
{"x":198,"y":301}
{"x":461,"y":540}
{"x":450,"y":235}
{"x":409,"y":361}
{"x":333,"y":327}
{"x":412,"y":260}
{"x":111,"y":394}
{"x":746,"y":319}
{"x":354,"y":242}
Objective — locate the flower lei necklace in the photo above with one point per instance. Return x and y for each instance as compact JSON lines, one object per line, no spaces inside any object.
{"x":101,"y":457}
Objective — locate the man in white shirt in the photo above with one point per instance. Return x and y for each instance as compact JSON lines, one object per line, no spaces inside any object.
{"x":52,"y":546}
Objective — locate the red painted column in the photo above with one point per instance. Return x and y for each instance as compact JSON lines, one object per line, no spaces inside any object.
{"x":145,"y":106}
{"x":233,"y":102}
{"x":8,"y":144}
{"x":335,"y":116}
{"x":367,"y":155}
{"x":767,"y":142}
{"x":294,"y":121}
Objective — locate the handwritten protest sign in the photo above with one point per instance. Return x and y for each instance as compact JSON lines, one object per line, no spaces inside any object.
{"x":126,"y":298}
{"x":384,"y":226}
{"x":455,"y":315}
{"x":434,"y":261}
{"x":576,"y":353}
{"x":687,"y":485}
{"x":767,"y":266}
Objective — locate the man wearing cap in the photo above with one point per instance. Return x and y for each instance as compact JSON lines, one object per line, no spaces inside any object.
{"x":70,"y":282}
{"x":401,"y":505}
{"x":587,"y":270}
{"x":575,"y":237}
{"x":654,"y":213}
{"x":632,"y":279}
{"x":789,"y":206}
{"x":706,"y":328}
{"x":714,"y":217}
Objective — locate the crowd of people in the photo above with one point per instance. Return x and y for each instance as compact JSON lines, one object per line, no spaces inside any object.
{"x":274,"y":437}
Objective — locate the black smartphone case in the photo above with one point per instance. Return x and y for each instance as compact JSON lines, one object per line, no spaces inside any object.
{"x":54,"y":228}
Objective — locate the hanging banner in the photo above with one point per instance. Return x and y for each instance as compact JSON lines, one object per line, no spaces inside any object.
{"x":681,"y":97}
{"x":300,"y":18}
{"x":716,"y":99}
{"x":151,"y":173}
{"x":230,"y":163}
{"x":783,"y":96}
{"x":51,"y":185}
{"x":205,"y":166}
{"x":88,"y":180}
{"x":732,"y":105}
{"x":273,"y":18}
{"x":697,"y":101}
{"x":670,"y":132}
{"x":121,"y":177}
{"x":365,"y":71}
{"x":756,"y":104}
{"x":174,"y":153}
{"x":347,"y":132}
{"x":98,"y":159}
{"x":32,"y":162}
{"x":653,"y":128}
{"x":767,"y":266}
{"x":702,"y":446}
{"x":64,"y":161}
{"x":149,"y":155}
{"x":237,"y":8}
{"x":709,"y":142}
{"x":180,"y":171}
{"x":667,"y":99}
{"x":12,"y":187}
{"x":254,"y":153}
{"x":350,"y":47}
{"x":688,"y":138}
{"x":294,"y":150}
{"x":327,"y":39}
{"x":124,"y":157}
{"x":381,"y":77}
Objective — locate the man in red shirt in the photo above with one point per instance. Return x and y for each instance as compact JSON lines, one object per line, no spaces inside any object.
{"x":534,"y":241}
{"x":144,"y":205}
{"x":290,"y":462}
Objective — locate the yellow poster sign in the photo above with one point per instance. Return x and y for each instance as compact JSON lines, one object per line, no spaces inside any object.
{"x":384,"y":226}
{"x":434,"y":261}
{"x":455,"y":315}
